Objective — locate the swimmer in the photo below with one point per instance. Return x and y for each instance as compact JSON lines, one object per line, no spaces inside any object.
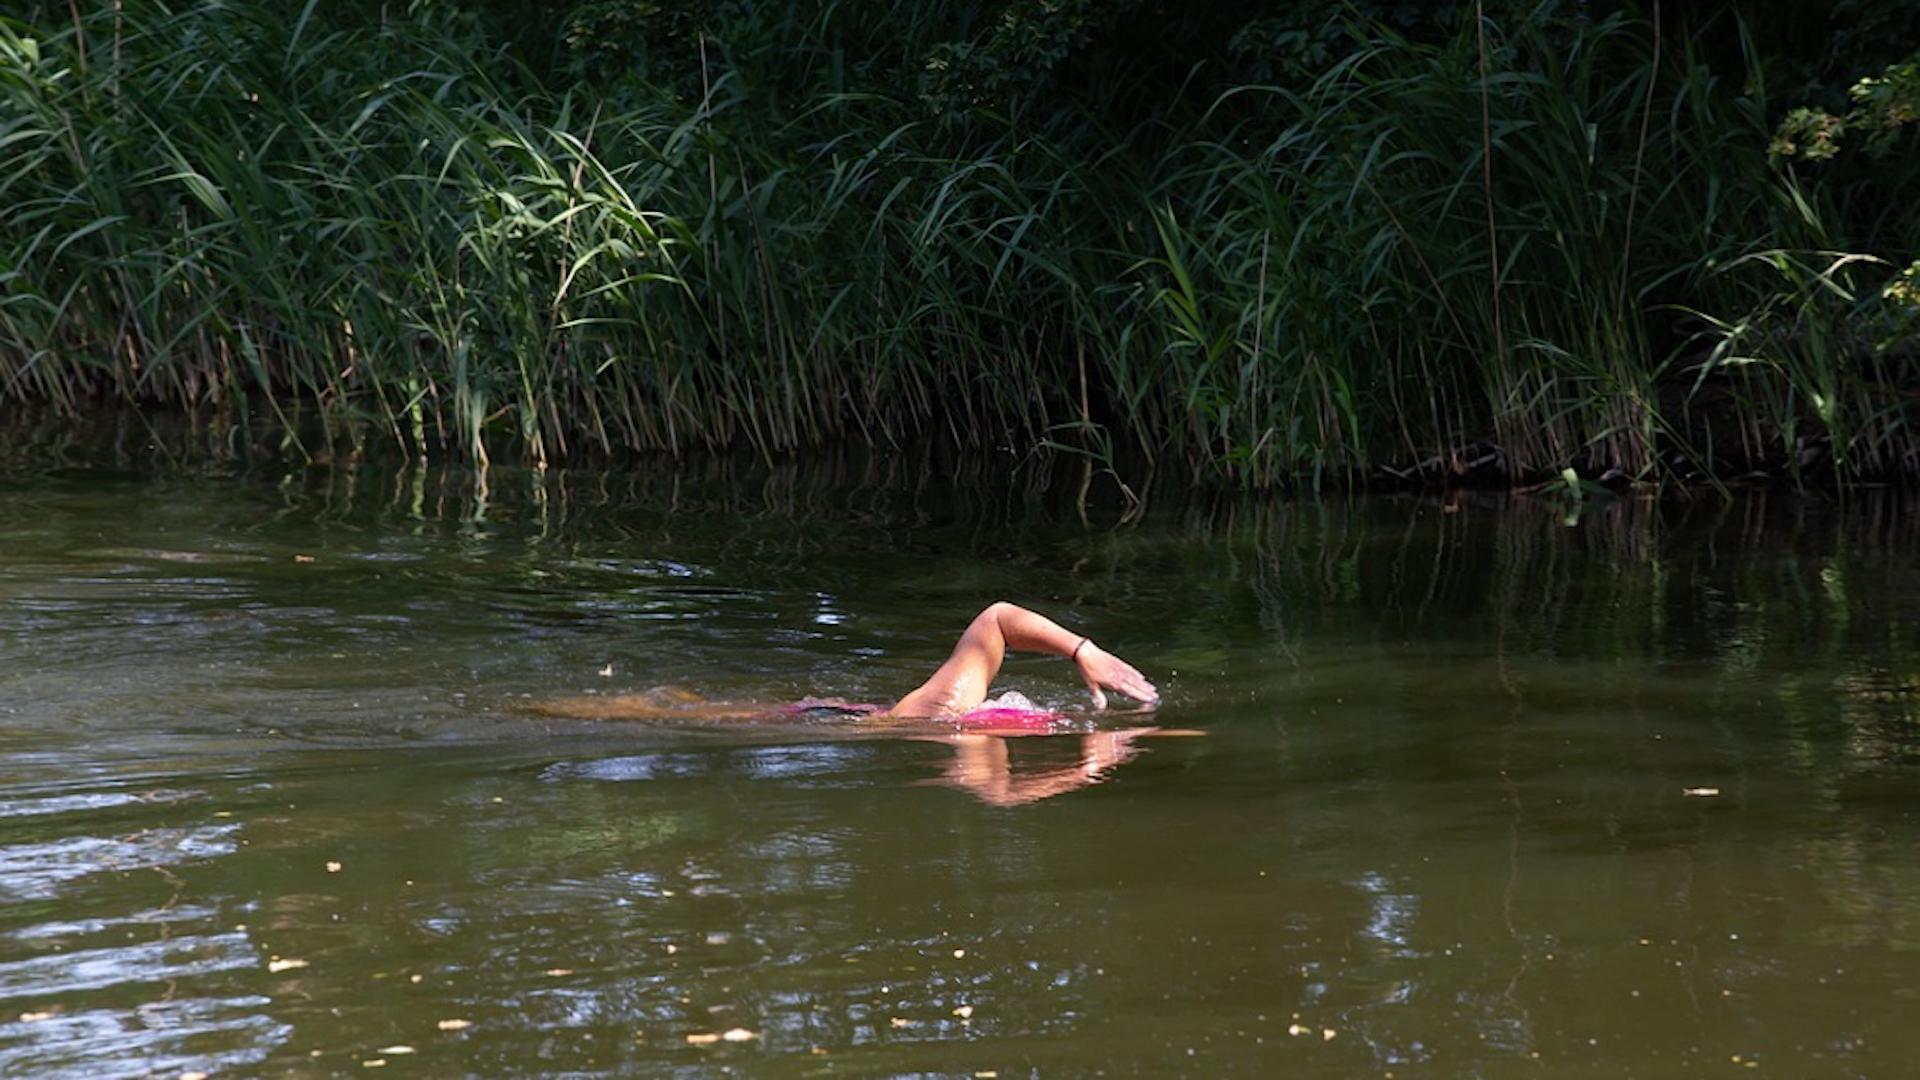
{"x":956,"y":694}
{"x":960,"y":685}
{"x":957,"y":690}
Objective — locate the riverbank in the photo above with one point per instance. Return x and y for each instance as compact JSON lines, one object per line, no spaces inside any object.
{"x":1505,"y":251}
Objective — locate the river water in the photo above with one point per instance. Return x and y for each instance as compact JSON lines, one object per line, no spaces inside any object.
{"x":1484,"y":787}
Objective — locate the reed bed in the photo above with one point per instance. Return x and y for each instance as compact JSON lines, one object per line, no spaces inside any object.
{"x":1535,"y":247}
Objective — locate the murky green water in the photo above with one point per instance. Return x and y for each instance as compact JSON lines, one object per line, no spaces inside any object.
{"x":269,"y":806}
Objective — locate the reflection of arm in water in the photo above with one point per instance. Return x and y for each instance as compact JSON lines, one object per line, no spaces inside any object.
{"x":961,"y":683}
{"x":981,"y":766}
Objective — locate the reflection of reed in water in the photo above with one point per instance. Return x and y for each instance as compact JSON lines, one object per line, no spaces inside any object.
{"x":1658,"y":615}
{"x":1762,"y":581}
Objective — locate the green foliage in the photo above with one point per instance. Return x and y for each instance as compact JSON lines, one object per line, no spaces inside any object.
{"x":1027,"y":43}
{"x":1549,"y":240}
{"x":1882,"y":106}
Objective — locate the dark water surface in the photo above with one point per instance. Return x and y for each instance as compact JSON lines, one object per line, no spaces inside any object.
{"x":270,"y":806}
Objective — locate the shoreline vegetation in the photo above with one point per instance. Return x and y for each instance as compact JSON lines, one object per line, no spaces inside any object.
{"x":1355,"y":244}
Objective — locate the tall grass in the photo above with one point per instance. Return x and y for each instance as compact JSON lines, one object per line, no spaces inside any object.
{"x":1539,"y":245}
{"x":402,"y":239}
{"x":1364,"y":311}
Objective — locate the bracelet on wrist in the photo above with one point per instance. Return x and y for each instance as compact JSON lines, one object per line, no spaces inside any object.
{"x":1075,"y":654}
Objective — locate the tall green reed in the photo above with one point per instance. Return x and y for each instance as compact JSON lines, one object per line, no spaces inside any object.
{"x":395,"y":230}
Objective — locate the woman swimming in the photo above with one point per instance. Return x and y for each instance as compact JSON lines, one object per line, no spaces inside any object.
{"x":960,"y":685}
{"x":957,"y":691}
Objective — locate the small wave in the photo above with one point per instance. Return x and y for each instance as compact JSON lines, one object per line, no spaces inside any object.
{"x":630,"y":767}
{"x":160,"y":1039}
{"x":140,"y":919}
{"x":91,"y":800}
{"x":48,"y":977}
{"x":36,"y":871}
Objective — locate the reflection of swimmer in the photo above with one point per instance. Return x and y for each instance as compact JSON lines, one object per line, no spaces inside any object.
{"x":957,"y":691}
{"x":982,"y":766}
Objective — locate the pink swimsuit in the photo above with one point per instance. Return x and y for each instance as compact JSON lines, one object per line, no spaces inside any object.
{"x":1008,"y":712}
{"x":1009,"y":718}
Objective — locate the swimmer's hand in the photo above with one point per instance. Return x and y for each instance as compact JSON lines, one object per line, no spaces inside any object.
{"x":1102,"y":671}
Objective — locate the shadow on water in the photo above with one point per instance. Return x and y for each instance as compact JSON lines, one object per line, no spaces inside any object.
{"x":272,"y":801}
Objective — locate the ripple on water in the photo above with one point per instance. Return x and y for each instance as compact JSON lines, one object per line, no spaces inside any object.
{"x":37,"y":870}
{"x":811,"y":764}
{"x":54,"y":974}
{"x":161,"y":1038}
{"x":89,"y":800}
{"x":644,"y":568}
{"x":810,"y":761}
{"x":75,"y":928}
{"x":631,"y":767}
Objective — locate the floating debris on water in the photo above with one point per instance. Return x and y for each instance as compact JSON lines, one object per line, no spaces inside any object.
{"x":334,"y":866}
{"x":964,"y":1012}
{"x":737,"y":1035}
{"x":454,"y":1024}
{"x":396,"y":1050}
{"x":702,"y":1038}
{"x":1700,"y":792}
{"x":276,"y":965}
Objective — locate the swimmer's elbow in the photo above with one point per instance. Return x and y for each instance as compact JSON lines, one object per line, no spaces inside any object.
{"x":995,"y":611}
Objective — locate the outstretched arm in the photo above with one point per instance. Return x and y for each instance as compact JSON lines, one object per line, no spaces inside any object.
{"x":962,"y":682}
